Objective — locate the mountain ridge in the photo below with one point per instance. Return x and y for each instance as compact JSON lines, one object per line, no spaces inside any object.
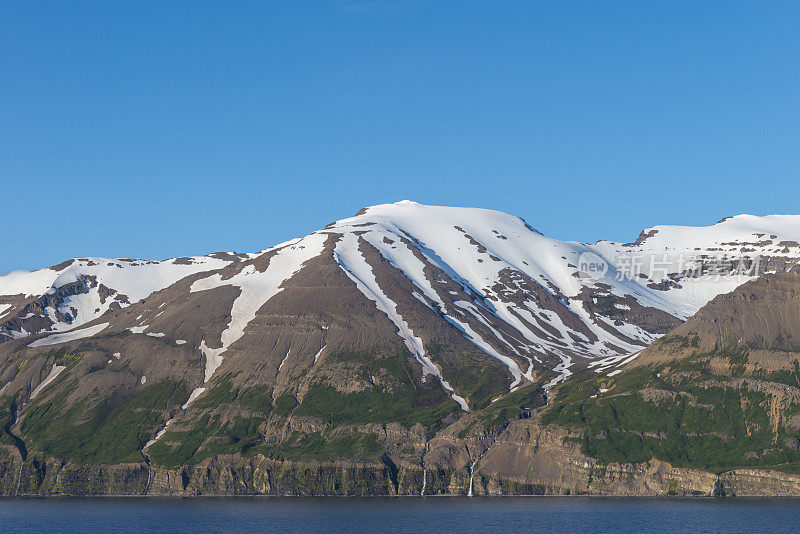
{"x":404,"y":329}
{"x":535,"y":333}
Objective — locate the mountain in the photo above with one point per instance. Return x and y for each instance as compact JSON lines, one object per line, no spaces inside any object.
{"x":720,"y":392}
{"x":365,"y":341}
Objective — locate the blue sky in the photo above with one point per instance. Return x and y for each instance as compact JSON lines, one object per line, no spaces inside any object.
{"x":158,"y":129}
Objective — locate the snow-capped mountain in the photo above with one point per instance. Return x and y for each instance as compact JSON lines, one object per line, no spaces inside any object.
{"x":469,"y":293}
{"x":77,"y":291}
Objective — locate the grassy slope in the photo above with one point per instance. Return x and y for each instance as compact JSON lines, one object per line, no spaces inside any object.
{"x":398,"y":398}
{"x":684,"y":413}
{"x":116,"y":429}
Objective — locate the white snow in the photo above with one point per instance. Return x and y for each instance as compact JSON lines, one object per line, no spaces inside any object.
{"x":356,"y":267}
{"x":158,"y":435}
{"x":446,"y":238}
{"x":27,"y":283}
{"x":72,"y":335}
{"x":283,"y":361}
{"x":180,"y":342}
{"x":319,"y":353}
{"x":156,"y":334}
{"x":196,"y":392}
{"x":54,"y":372}
{"x":256,"y":289}
{"x":473,"y":247}
{"x":135,"y":279}
{"x":479,"y":257}
{"x":143,"y":380}
{"x":20,"y":334}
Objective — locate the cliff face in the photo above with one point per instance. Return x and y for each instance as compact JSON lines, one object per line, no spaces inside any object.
{"x":524,"y":459}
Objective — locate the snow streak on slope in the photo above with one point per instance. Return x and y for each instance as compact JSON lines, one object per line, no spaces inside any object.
{"x":256,"y":289}
{"x":352,"y":261}
{"x":517,"y":296}
{"x":70,"y":336}
{"x":404,"y":258}
{"x":496,"y":258}
{"x":477,"y":249}
{"x":54,"y":372}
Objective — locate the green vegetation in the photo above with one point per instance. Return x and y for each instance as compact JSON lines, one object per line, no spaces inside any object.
{"x":531,"y":395}
{"x":395,"y":398}
{"x":496,"y":416}
{"x":322,"y":447}
{"x":69,"y":359}
{"x":285,"y":404}
{"x":681,"y":413}
{"x":371,"y":406}
{"x":208,"y":437}
{"x":228,"y":423}
{"x":223,"y":427}
{"x":477,"y":380}
{"x":682,"y":342}
{"x":113,"y":430}
{"x":222,"y":394}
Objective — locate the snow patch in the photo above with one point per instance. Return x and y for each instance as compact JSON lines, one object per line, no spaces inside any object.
{"x":283,"y":361}
{"x":195,"y":393}
{"x":69,"y":336}
{"x":134,"y":279}
{"x":319,"y":353}
{"x":158,"y":435}
{"x":54,"y":372}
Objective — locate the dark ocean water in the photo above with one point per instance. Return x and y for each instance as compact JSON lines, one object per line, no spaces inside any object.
{"x":416,"y":515}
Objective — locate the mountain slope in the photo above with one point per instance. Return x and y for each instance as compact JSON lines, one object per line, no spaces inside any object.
{"x":722,"y":391}
{"x":402,"y":315}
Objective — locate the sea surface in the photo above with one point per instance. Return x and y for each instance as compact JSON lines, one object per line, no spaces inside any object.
{"x":427,"y":515}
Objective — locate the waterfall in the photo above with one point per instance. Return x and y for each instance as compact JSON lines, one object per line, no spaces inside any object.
{"x":471,"y":475}
{"x":149,"y":470}
{"x":19,"y":478}
{"x":424,"y":471}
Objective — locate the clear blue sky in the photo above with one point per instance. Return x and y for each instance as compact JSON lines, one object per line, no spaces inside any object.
{"x":156,"y":129}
